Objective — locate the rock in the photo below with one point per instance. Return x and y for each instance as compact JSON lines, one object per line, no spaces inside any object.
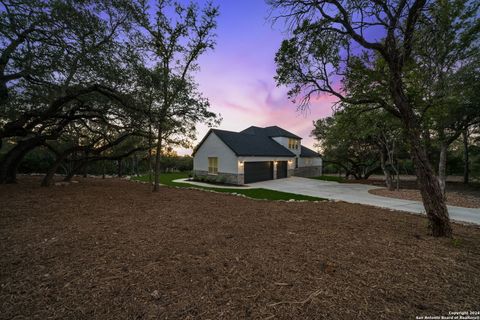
{"x":155,"y":295}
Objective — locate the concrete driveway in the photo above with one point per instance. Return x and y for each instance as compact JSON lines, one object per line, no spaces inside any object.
{"x":358,"y":193}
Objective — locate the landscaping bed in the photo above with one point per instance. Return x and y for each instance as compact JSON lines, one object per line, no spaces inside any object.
{"x":112,"y":249}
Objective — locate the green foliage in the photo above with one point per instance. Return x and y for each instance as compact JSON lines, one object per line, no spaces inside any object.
{"x":176,"y":163}
{"x":354,"y":138}
{"x":456,"y":242}
{"x":36,"y":162}
{"x":100,"y":81}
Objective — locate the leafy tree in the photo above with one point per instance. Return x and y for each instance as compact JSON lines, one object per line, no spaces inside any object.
{"x":62,"y":53}
{"x":331,"y":37}
{"x":174,"y":40}
{"x":360,"y":142}
{"x":447,"y":57}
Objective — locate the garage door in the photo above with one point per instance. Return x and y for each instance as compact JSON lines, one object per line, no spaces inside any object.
{"x":258,"y":171}
{"x":281,"y":169}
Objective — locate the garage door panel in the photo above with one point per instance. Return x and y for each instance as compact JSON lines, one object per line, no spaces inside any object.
{"x":282,"y":167}
{"x":258,"y":171}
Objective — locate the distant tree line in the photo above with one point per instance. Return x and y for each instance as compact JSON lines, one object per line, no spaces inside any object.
{"x":40,"y":160}
{"x":88,"y":84}
{"x":358,"y":144}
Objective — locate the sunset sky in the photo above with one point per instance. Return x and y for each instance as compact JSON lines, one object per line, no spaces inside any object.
{"x":237,"y":76}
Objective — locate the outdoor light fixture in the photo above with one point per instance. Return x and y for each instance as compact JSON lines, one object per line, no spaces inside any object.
{"x":241,"y":163}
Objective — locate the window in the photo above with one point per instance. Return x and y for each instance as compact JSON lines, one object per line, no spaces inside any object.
{"x":212,"y":165}
{"x":293,"y":143}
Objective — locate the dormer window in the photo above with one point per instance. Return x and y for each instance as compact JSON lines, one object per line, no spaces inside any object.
{"x":293,"y":143}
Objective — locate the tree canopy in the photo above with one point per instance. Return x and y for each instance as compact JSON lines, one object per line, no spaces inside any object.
{"x":99,"y":80}
{"x":375,"y":55}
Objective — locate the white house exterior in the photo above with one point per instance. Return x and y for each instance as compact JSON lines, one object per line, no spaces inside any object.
{"x":254,"y":154}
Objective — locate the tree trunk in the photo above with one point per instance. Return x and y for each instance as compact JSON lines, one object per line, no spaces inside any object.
{"x":397,"y":173}
{"x":432,"y":196}
{"x":120,"y":168}
{"x":370,"y":172}
{"x":11,"y":161}
{"x":85,"y":168}
{"x":48,"y":179}
{"x":157,"y":160}
{"x":442,"y":167}
{"x":75,"y":168}
{"x":103,"y":169}
{"x":70,"y":175}
{"x":150,"y":169}
{"x":466,"y":165}
{"x":386,"y":172}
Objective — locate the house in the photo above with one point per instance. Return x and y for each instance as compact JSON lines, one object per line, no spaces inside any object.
{"x":254,"y":154}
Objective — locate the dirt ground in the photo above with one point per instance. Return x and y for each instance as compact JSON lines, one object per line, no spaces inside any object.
{"x":111,"y":249}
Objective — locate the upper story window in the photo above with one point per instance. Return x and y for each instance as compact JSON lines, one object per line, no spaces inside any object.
{"x":293,"y":143}
{"x":212,"y":165}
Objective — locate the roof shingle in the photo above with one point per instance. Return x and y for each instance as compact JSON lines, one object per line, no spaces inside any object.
{"x":272,"y":131}
{"x":251,"y":144}
{"x":308,"y":153}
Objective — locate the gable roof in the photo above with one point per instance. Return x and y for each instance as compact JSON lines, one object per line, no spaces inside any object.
{"x":272,"y":131}
{"x":308,"y":153}
{"x":247,"y":144}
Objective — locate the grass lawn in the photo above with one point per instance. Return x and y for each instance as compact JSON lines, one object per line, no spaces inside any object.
{"x":168,"y":180}
{"x":110,"y":249}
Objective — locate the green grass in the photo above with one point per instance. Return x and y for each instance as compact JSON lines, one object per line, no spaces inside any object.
{"x":167,"y":179}
{"x":330,"y":178}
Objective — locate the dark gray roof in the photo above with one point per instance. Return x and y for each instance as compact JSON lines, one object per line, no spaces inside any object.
{"x":308,"y":153}
{"x":272,"y":131}
{"x":251,"y":144}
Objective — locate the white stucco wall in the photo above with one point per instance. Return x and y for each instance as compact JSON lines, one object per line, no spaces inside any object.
{"x":309,"y":162}
{"x":214,"y":147}
{"x":228,"y":162}
{"x":284,"y":142}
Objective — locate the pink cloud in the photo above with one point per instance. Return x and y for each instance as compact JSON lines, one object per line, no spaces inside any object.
{"x":263,"y":104}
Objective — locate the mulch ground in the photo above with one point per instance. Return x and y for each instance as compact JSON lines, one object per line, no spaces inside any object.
{"x":111,"y":249}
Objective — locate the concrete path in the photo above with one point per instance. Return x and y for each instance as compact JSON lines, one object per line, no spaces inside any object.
{"x":358,"y":193}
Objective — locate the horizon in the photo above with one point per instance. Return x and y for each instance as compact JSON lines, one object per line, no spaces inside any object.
{"x":246,"y":94}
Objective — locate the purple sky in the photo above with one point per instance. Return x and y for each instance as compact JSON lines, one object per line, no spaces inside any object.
{"x":237,"y":76}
